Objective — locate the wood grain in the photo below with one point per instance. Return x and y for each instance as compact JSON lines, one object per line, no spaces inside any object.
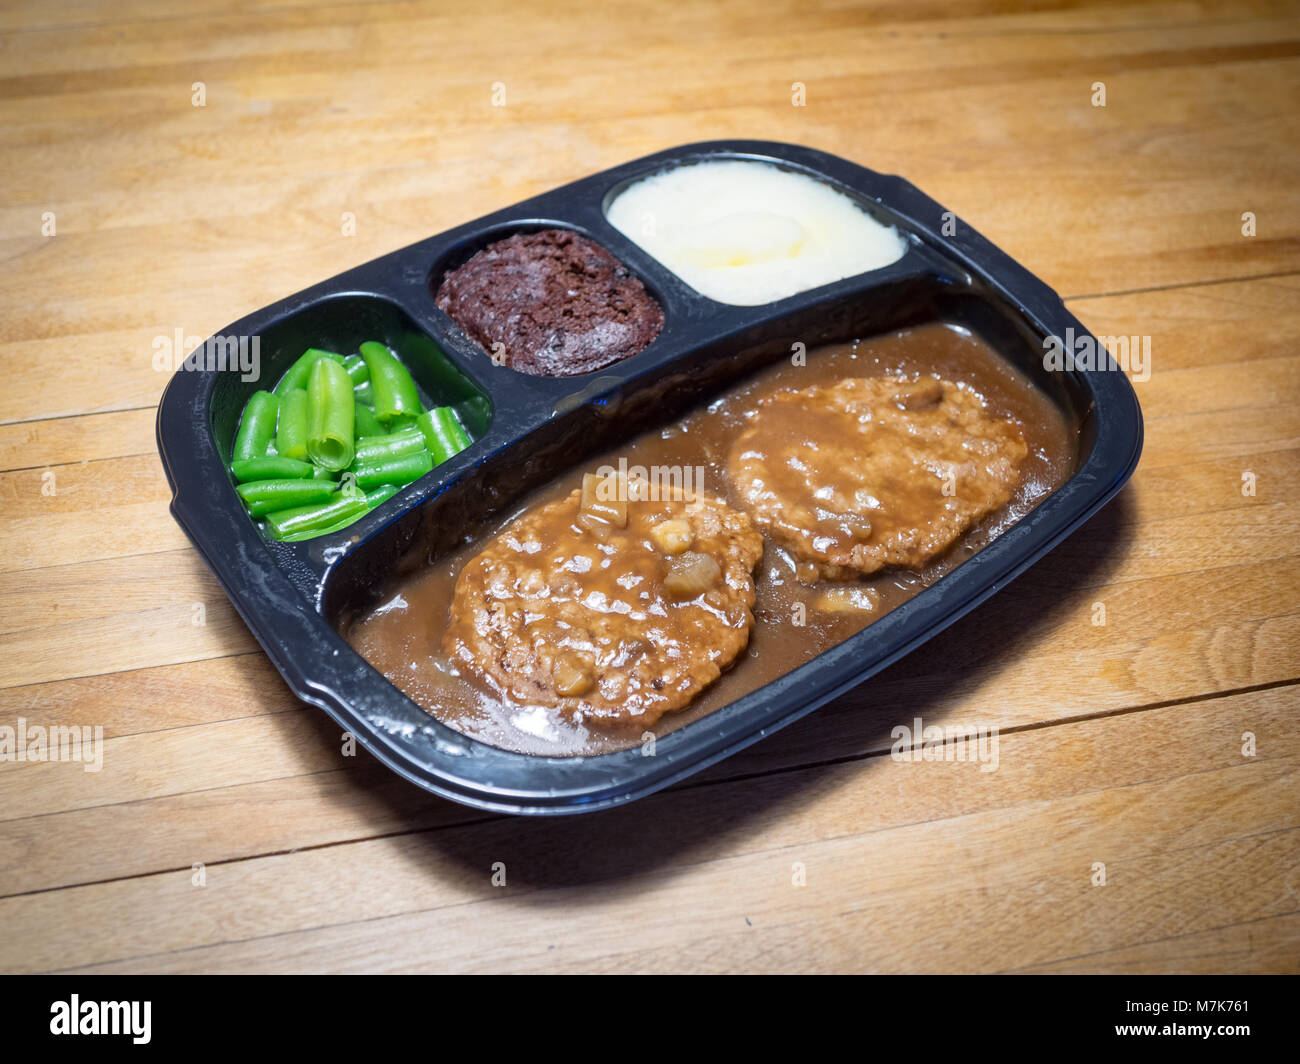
{"x":1001,"y":861}
{"x":1120,"y":744}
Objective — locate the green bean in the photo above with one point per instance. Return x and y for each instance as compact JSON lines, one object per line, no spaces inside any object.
{"x":324,"y":474}
{"x":443,"y":433}
{"x":381,"y":494}
{"x":291,"y":429}
{"x":394,"y":389}
{"x":365,"y":423}
{"x":330,"y":413}
{"x":256,"y":427}
{"x":371,"y":449}
{"x":267,"y":496}
{"x":296,"y":375}
{"x":246,"y":469}
{"x":306,"y":522}
{"x":399,"y":470}
{"x":358,"y":372}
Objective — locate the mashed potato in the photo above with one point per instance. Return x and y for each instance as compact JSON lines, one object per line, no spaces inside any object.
{"x":746,"y":232}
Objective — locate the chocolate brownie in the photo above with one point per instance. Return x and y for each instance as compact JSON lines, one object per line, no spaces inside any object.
{"x":557,"y":303}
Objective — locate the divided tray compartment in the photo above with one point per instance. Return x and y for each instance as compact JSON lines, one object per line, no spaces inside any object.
{"x":529,"y":429}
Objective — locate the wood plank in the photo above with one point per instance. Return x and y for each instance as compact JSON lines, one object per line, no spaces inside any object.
{"x":87,"y":591}
{"x":176,"y":761}
{"x":403,"y":190}
{"x":1253,"y":947}
{"x":1218,"y":434}
{"x":76,"y":513}
{"x":891,"y":850}
{"x":156,"y":698}
{"x":163,"y":635}
{"x":1236,"y":323}
{"x":61,"y":441}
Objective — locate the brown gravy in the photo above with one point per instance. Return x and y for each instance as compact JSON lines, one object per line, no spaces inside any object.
{"x":401,"y":635}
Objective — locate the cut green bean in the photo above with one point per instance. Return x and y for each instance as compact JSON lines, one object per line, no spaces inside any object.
{"x":443,"y":433}
{"x":395,"y":393}
{"x":358,"y":372}
{"x":247,"y":469}
{"x":306,"y":522}
{"x":371,"y":449}
{"x":291,"y":429}
{"x":399,"y":470}
{"x":256,"y":427}
{"x":381,"y":494}
{"x":330,"y":415}
{"x":296,"y":375}
{"x":267,"y":496}
{"x":358,"y":417}
{"x":365,"y":423}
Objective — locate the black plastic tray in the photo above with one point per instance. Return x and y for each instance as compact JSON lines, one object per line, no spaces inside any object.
{"x":532,"y":428}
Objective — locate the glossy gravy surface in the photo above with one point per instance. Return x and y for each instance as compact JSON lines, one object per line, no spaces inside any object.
{"x":401,"y":635}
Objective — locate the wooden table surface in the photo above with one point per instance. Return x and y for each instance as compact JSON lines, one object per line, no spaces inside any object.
{"x":226,"y":833}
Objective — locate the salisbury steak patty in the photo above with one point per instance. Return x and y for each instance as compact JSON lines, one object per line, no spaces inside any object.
{"x":612,"y":613}
{"x":557,"y":303}
{"x":872,"y":472}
